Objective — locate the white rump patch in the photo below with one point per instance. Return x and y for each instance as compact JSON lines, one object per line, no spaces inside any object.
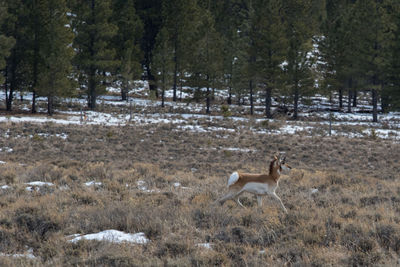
{"x":233,"y":179}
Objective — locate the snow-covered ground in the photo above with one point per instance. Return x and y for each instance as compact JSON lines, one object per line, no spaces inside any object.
{"x":316,"y":122}
{"x":114,"y":236}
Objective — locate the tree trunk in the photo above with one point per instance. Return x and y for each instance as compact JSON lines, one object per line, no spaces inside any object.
{"x":123,"y":95}
{"x":251,"y":97}
{"x":9,"y":99}
{"x":229,"y":101}
{"x":354,"y":98}
{"x":268,"y":95}
{"x":349,"y":96}
{"x":340,"y":98}
{"x":349,"y":101}
{"x":9,"y":94}
{"x":374,"y":105}
{"x":175,"y":72}
{"x":208,"y":100}
{"x":150,"y":79}
{"x":124,"y":90}
{"x":296,"y":101}
{"x":50,"y":105}
{"x":384,"y":103}
{"x":163,"y":89}
{"x":92,"y":90}
{"x":33,"y":101}
{"x":163,"y":98}
{"x":92,"y":69}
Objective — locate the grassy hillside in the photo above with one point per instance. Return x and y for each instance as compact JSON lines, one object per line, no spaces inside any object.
{"x":343,"y":197}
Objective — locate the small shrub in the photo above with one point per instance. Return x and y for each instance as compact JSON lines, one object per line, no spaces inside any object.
{"x":228,"y":153}
{"x":173,"y":248}
{"x":6,"y":240}
{"x":369,"y":201}
{"x":356,"y":240}
{"x":335,"y":179}
{"x":8,"y":176}
{"x":363,"y":259}
{"x":293,"y":254}
{"x":373,"y":134}
{"x":226,"y":111}
{"x":37,"y":138}
{"x":84,"y":198}
{"x":247,"y":220}
{"x":264,"y":124}
{"x":110,"y":134}
{"x":388,"y":237}
{"x":210,"y":258}
{"x":35,"y":223}
{"x":202,"y":219}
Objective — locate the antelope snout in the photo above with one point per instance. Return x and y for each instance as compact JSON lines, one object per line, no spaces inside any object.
{"x":286,"y":169}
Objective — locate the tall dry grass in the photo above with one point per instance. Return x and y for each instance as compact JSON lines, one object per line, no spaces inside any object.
{"x":342,"y":195}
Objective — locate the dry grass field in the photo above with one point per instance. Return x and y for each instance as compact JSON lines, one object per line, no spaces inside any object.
{"x":343,"y":198}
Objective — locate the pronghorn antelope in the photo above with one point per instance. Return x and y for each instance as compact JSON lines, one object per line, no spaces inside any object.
{"x":258,"y":184}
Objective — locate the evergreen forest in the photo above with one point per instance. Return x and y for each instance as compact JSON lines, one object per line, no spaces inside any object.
{"x":252,"y":49}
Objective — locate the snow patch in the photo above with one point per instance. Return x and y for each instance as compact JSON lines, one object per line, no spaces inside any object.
{"x":113,"y":236}
{"x":314,"y":191}
{"x":179,"y":185}
{"x":36,"y":185}
{"x":39,"y":183}
{"x":204,"y":245}
{"x":90,"y":183}
{"x":6,"y":149}
{"x":142,"y":187}
{"x":28,"y":254}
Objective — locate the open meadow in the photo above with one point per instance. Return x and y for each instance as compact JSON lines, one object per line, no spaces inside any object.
{"x":150,"y":177}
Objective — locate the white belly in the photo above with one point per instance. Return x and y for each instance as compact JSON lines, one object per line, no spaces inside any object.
{"x":257,"y":188}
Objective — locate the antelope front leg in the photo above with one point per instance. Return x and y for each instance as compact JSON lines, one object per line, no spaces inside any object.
{"x":280,"y":201}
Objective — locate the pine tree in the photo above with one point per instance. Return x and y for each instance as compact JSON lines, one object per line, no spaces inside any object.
{"x":299,"y":31}
{"x":377,"y":34}
{"x":150,"y":15}
{"x":181,"y":18}
{"x":391,"y":90}
{"x":350,"y":71}
{"x":229,"y":16}
{"x":55,"y":52}
{"x":18,"y":72}
{"x":331,"y":51}
{"x":271,"y":44}
{"x":35,"y":37}
{"x":250,"y":30}
{"x":163,"y":62}
{"x":243,"y":72}
{"x":6,"y":42}
{"x":94,"y":54}
{"x":127,"y":43}
{"x":206,"y":59}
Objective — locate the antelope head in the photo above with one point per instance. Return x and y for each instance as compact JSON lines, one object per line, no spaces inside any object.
{"x":281,"y":164}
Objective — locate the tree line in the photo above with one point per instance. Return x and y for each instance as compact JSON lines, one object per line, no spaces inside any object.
{"x":253,"y":49}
